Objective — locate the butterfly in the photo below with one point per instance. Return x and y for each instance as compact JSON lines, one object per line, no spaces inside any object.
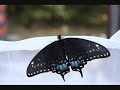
{"x":65,"y":53}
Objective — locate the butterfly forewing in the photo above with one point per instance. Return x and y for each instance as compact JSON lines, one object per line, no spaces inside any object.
{"x":41,"y":61}
{"x":89,"y":50}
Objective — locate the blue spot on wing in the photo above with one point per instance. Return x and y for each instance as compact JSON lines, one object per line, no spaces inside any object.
{"x":78,"y":62}
{"x":62,"y":67}
{"x":75,"y":64}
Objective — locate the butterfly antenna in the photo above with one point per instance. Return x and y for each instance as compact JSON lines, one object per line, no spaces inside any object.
{"x":63,"y":77}
{"x":81,"y":73}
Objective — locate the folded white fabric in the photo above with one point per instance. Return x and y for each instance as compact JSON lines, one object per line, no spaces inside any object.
{"x":16,"y":55}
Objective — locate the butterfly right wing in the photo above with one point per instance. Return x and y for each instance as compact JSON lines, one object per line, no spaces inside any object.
{"x":80,"y":51}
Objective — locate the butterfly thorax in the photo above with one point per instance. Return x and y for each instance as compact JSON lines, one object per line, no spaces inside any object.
{"x":61,"y":44}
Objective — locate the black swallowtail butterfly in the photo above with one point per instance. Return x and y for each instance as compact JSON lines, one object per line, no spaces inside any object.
{"x":60,"y":54}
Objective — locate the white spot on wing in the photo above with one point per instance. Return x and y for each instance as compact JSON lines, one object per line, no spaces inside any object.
{"x":38,"y":64}
{"x":32,"y":62}
{"x":38,"y":59}
{"x":81,"y":66}
{"x":97,"y":46}
{"x":54,"y":70}
{"x":93,"y":49}
{"x":107,"y":53}
{"x":58,"y":71}
{"x":104,"y":54}
{"x":90,"y":51}
{"x":41,"y":64}
{"x":90,"y":57}
{"x":61,"y":61}
{"x":34,"y":66}
{"x":78,"y":69}
{"x":89,"y":45}
{"x":83,"y":62}
{"x":97,"y":50}
{"x":66,"y":57}
{"x":63,"y":73}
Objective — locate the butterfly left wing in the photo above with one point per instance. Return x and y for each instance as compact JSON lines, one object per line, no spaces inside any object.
{"x":50,"y":58}
{"x":79,"y":51}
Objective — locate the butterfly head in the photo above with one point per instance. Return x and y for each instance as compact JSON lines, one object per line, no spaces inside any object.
{"x":59,"y":37}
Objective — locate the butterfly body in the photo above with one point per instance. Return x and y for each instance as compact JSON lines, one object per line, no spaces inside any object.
{"x":59,"y":55}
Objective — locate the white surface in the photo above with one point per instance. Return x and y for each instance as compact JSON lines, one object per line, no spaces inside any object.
{"x":15,"y":57}
{"x":116,"y":36}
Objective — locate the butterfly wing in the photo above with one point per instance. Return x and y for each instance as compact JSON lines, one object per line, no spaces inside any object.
{"x":50,"y":58}
{"x":79,"y":51}
{"x":76,"y":46}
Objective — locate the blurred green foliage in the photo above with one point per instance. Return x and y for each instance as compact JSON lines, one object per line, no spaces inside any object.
{"x":78,"y":15}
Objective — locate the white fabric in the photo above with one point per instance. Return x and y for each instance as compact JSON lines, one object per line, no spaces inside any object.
{"x":116,"y":36}
{"x":16,"y":55}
